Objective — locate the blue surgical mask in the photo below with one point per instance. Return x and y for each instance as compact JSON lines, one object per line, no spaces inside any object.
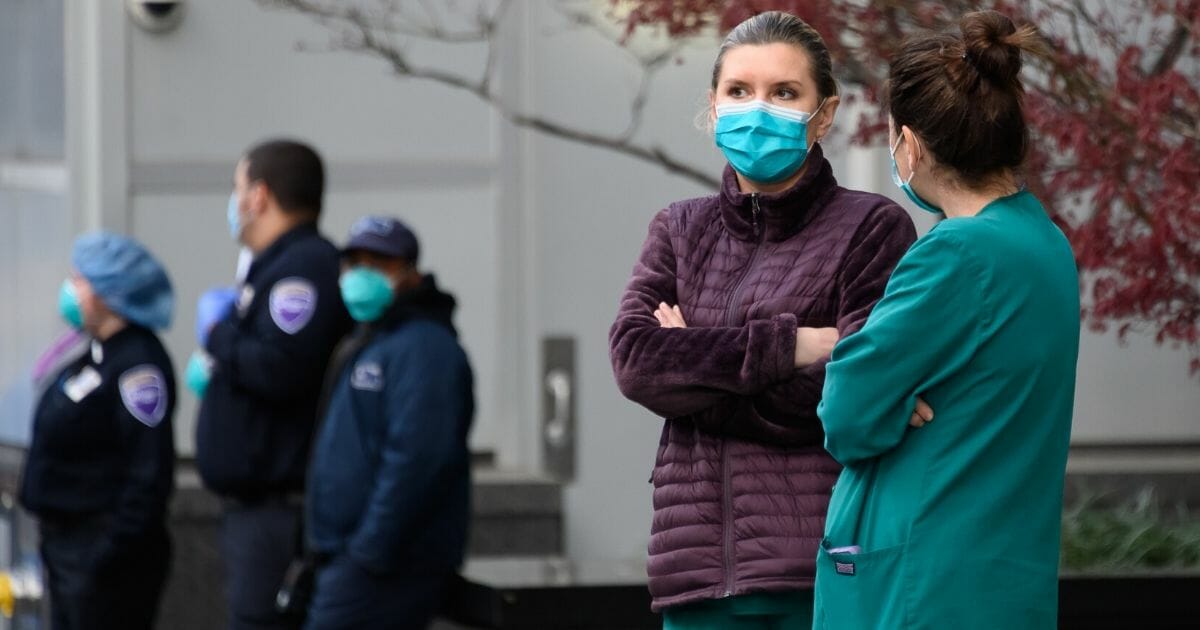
{"x":765,"y":143}
{"x":68,"y":305}
{"x":231,"y":215}
{"x":367,"y":293}
{"x":906,"y":184}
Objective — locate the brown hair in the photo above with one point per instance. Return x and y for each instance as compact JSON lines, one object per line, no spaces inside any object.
{"x":962,"y":95}
{"x":777,"y":27}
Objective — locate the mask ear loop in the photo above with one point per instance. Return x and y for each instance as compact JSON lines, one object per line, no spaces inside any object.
{"x":818,"y":109}
{"x":814,"y":115}
{"x":896,"y":146}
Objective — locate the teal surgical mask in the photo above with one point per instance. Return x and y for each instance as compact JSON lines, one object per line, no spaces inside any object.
{"x":367,"y":293}
{"x":199,"y":373}
{"x":765,"y":143}
{"x":68,"y":305}
{"x":906,"y":184}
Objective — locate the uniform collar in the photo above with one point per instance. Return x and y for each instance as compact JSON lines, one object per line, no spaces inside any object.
{"x":99,"y":349}
{"x":299,"y":232}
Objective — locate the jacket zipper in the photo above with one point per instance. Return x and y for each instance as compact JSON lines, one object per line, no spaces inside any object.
{"x":726,"y":479}
{"x":731,"y":307}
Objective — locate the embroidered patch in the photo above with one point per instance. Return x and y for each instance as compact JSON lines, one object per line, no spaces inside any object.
{"x":144,"y":393}
{"x":367,"y":376}
{"x":372,"y":225}
{"x":293,"y":302}
{"x":844,"y":568}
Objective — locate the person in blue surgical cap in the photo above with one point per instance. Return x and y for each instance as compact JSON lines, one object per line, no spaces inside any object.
{"x":100,"y":468}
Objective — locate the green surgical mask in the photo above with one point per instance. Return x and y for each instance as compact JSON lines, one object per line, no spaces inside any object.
{"x":68,"y":305}
{"x":367,"y":293}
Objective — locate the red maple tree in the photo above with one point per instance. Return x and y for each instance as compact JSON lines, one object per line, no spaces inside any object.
{"x":1114,"y":115}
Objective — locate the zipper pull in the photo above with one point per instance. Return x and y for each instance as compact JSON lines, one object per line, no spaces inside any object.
{"x":754,"y":212}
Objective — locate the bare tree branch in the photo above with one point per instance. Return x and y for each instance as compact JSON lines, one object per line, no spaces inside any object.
{"x":365,"y":33}
{"x":648,"y":66}
{"x":393,"y":20}
{"x":489,"y":24}
{"x":361,"y":34}
{"x":1175,"y":46}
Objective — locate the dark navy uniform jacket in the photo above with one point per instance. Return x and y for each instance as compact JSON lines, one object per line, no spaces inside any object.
{"x":390,"y":480}
{"x":103,"y":444}
{"x":270,"y":355}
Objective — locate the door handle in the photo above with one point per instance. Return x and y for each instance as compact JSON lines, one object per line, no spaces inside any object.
{"x":559,"y":410}
{"x":558,"y":383}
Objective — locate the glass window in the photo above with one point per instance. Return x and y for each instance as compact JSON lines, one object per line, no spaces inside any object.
{"x":31,"y":80}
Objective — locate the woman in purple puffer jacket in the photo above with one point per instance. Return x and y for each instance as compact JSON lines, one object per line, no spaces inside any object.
{"x":725,"y":328}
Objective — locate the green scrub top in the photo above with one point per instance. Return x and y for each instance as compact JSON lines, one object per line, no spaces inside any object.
{"x":955,"y":524}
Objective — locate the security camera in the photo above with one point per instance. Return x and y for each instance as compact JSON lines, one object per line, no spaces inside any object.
{"x":156,"y":17}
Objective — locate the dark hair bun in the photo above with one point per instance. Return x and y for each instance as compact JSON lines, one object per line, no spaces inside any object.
{"x":993,"y":44}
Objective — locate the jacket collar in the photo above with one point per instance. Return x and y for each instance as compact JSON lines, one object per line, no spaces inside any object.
{"x":426,"y":301}
{"x":780,"y":215}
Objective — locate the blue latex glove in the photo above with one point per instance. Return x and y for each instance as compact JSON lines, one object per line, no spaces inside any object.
{"x":214,"y":305}
{"x":198,"y":373}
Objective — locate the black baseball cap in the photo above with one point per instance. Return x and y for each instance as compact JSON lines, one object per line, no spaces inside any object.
{"x":385,"y":236}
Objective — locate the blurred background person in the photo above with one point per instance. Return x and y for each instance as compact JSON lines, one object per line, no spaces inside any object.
{"x":267,"y":345}
{"x":389,"y":490}
{"x":101,"y":463}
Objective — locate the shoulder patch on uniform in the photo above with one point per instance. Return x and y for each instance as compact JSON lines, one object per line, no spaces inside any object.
{"x":144,"y":393}
{"x":293,"y":302}
{"x":367,"y":376}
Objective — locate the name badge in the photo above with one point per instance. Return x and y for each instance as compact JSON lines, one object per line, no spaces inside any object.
{"x":845,"y":568}
{"x":85,"y":382}
{"x":245,"y":298}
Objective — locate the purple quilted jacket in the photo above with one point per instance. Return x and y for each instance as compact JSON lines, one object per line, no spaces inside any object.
{"x":741,"y":481}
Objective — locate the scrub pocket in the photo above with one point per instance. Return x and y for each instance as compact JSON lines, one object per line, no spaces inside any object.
{"x":860,"y":591}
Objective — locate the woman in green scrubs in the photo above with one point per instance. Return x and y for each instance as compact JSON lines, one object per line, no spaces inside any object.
{"x":950,"y":517}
